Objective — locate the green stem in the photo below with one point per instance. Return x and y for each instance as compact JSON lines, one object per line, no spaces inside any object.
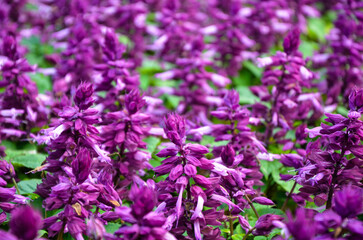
{"x":248,"y":233}
{"x":16,"y":186}
{"x":60,"y":235}
{"x":334,"y":178}
{"x":288,"y":197}
{"x":96,"y":212}
{"x":231,"y":226}
{"x":251,"y":205}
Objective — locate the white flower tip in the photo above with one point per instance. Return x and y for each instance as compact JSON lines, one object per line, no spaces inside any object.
{"x":264,"y":62}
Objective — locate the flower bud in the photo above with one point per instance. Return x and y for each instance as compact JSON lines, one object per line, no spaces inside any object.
{"x":228,"y":155}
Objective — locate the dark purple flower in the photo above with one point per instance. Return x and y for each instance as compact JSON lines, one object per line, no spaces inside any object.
{"x":144,"y":223}
{"x":292,"y":41}
{"x":328,"y":164}
{"x":303,"y":226}
{"x":81,"y":165}
{"x":228,"y":155}
{"x":356,"y":100}
{"x":264,"y":224}
{"x":83,"y":97}
{"x":25,"y":223}
{"x":134,"y":102}
{"x":174,"y":128}
{"x":348,"y":202}
{"x":341,"y":55}
{"x":288,"y":76}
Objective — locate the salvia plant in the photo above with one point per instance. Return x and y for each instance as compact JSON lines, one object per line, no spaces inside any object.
{"x":181,"y":119}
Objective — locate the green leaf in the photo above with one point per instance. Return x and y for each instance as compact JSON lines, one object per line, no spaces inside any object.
{"x":124,"y":40}
{"x":145,"y":81}
{"x":308,"y":48}
{"x":37,"y":51}
{"x":172,"y":101}
{"x":238,"y":236}
{"x":274,"y":232}
{"x":31,"y":42}
{"x":44,"y":83}
{"x":152,"y":143}
{"x":150,"y":67}
{"x":316,"y":29}
{"x":210,"y":140}
{"x":268,"y":167}
{"x":28,"y":186}
{"x":8,"y":144}
{"x":31,"y":7}
{"x":112,"y":227}
{"x":260,"y":238}
{"x":150,"y":18}
{"x":246,"y":96}
{"x":263,"y":210}
{"x":275,"y":168}
{"x":67,"y":236}
{"x":25,"y":158}
{"x":342,"y":111}
{"x":41,"y":233}
{"x":253,"y":68}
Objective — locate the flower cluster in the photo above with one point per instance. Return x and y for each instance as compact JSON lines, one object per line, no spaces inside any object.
{"x":333,"y":160}
{"x":339,"y":222}
{"x":9,"y":198}
{"x":283,"y":81}
{"x":182,"y":162}
{"x":24,"y":224}
{"x":20,"y":108}
{"x":146,"y":223}
{"x":74,"y":157}
{"x":181,"y":119}
{"x":122,"y":134}
{"x":343,"y":58}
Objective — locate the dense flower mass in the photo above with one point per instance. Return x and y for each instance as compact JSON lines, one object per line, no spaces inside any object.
{"x":181,"y":119}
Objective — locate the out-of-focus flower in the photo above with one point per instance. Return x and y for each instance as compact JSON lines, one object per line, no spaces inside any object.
{"x":342,"y":59}
{"x":25,"y":222}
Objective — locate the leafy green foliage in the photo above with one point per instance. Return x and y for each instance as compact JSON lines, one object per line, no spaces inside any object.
{"x":112,"y":227}
{"x":274,"y":169}
{"x":44,"y":83}
{"x":25,"y":158}
{"x":246,"y":96}
{"x":37,"y":51}
{"x":152,"y":143}
{"x":28,"y":186}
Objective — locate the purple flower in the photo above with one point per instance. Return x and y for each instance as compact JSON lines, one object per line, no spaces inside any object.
{"x":81,"y":165}
{"x":340,"y":221}
{"x":292,"y":41}
{"x":341,"y":58}
{"x":25,"y":223}
{"x":134,"y":102}
{"x":287,"y":75}
{"x":83,"y":97}
{"x":264,"y":224}
{"x":174,"y":128}
{"x":327,"y":170}
{"x":144,"y":223}
{"x":20,"y":108}
{"x":96,"y":229}
{"x":348,"y":202}
{"x":356,"y":100}
{"x":182,"y":163}
{"x":302,"y":227}
{"x":228,"y":155}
